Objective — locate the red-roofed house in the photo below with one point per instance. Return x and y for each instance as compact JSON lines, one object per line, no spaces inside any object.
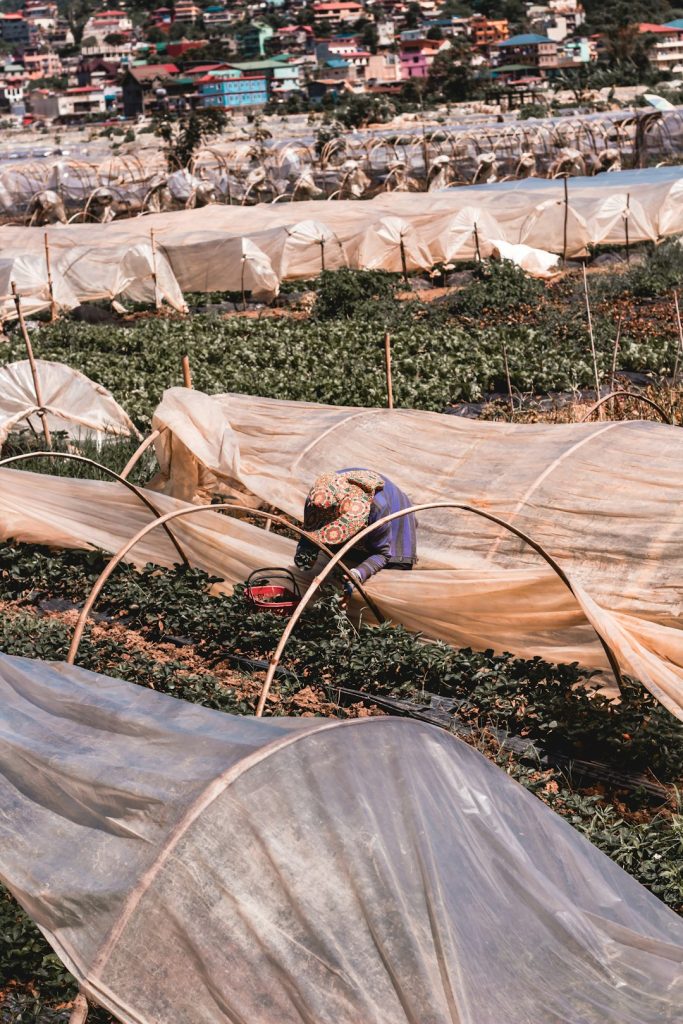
{"x":14,"y":28}
{"x":70,"y":105}
{"x":144,"y":84}
{"x":666,"y":50}
{"x":417,"y":56}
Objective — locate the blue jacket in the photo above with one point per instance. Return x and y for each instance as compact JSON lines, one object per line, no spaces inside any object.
{"x":393,"y":543}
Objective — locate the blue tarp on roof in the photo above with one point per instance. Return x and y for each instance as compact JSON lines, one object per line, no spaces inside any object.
{"x":529,"y":39}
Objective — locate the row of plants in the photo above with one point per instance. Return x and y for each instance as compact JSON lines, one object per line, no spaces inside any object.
{"x":442,"y":352}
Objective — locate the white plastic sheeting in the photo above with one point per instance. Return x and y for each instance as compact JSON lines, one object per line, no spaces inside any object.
{"x":530,"y":212}
{"x":391,"y":244}
{"x":200,"y":868}
{"x":72,"y":401}
{"x":137,"y":272}
{"x":223,"y":264}
{"x":461,"y":236}
{"x":604,"y":499}
{"x":301,"y":250}
{"x":29,"y":274}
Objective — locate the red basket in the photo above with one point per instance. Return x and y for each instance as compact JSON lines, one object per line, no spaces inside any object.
{"x":265,"y":595}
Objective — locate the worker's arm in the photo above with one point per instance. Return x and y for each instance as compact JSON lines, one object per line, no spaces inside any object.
{"x":379,"y":545}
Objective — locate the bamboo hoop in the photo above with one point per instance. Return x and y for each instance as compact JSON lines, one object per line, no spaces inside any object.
{"x":139,"y":452}
{"x":26,"y":456}
{"x":178,"y":513}
{"x":322,"y":576}
{"x":627,"y":394}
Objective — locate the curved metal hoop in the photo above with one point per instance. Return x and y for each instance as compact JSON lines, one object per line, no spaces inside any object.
{"x":109,"y":472}
{"x":627,"y":394}
{"x":162,"y":521}
{"x":322,"y":576}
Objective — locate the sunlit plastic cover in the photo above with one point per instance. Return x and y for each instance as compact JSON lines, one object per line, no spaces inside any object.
{"x":195,"y":867}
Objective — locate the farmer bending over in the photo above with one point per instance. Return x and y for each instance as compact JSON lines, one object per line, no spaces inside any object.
{"x":339,"y":505}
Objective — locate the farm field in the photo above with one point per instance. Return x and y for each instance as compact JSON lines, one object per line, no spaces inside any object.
{"x":614,"y":770}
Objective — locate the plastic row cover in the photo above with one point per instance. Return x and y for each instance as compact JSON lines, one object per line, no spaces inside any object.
{"x":200,"y":868}
{"x":297,"y":238}
{"x":73,"y":403}
{"x":604,"y":500}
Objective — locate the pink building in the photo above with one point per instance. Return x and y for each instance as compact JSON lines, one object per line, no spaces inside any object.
{"x":417,"y":56}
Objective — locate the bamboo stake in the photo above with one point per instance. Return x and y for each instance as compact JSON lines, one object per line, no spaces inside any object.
{"x":679,"y":350}
{"x":627,"y":214}
{"x":50,"y":287}
{"x":157,"y":302}
{"x":387,"y":364}
{"x":592,"y":338}
{"x":404,"y":265}
{"x":476,"y":242}
{"x":509,"y":382}
{"x":244,"y":297}
{"x":187,"y":373}
{"x":34,"y":368}
{"x":566,"y":222}
{"x":615,"y":353}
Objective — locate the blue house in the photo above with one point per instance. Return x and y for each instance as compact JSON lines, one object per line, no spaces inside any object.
{"x":231,"y":89}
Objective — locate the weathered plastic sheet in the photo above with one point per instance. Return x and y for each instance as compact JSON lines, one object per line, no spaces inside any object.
{"x":135,"y":271}
{"x":530,"y":212}
{"x":223,"y":263}
{"x":73,"y":403}
{"x":29,"y":274}
{"x":604,"y":499}
{"x":201,"y":868}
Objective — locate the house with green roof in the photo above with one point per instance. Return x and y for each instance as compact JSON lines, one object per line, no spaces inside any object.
{"x":535,"y":52}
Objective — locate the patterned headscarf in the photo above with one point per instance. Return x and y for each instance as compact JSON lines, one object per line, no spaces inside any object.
{"x":338,"y":505}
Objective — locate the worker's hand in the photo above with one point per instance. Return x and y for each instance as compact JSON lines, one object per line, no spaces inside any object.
{"x":348,"y":587}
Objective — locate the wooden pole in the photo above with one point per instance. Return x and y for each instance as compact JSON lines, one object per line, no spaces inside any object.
{"x":53,"y":304}
{"x":34,"y":368}
{"x":387,"y":364}
{"x":476,"y":242}
{"x":592,"y":338}
{"x":679,"y":350}
{"x":507,"y":377}
{"x":244,"y":297}
{"x":566,"y":222}
{"x":404,"y":265}
{"x":187,"y":373}
{"x":627,"y":214}
{"x":157,"y":302}
{"x":615,"y":353}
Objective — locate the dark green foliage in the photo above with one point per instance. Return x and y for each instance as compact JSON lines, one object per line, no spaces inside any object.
{"x":185,"y":135}
{"x":499,"y":285}
{"x":659,"y":273}
{"x":341,"y":292}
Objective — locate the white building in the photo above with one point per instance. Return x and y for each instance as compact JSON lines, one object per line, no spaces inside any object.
{"x":70,"y":104}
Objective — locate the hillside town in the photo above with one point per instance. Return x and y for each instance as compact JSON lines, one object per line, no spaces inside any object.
{"x":242,"y":56}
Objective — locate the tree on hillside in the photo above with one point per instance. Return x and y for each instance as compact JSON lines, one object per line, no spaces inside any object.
{"x":183,"y":137}
{"x":451,"y":76}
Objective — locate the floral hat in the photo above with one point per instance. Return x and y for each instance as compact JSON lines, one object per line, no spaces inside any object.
{"x":338,"y":505}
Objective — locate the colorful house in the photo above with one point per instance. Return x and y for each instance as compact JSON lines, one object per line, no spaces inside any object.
{"x":232,"y":90}
{"x":417,"y":56}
